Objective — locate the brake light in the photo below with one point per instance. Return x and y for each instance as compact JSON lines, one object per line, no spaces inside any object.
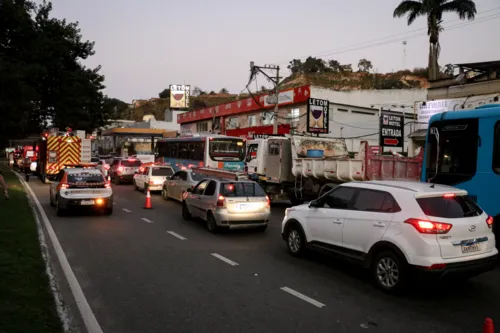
{"x":120,"y":169}
{"x":64,"y":185}
{"x":450,"y":195}
{"x":106,"y":167}
{"x":429,"y":227}
{"x":107,"y":185}
{"x":220,"y":201}
{"x":268,"y":204}
{"x":489,"y":221}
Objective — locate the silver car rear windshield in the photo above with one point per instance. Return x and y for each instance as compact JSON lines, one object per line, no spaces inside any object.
{"x":242,"y":189}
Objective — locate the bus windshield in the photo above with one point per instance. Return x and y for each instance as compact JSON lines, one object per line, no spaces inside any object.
{"x":222,"y":149}
{"x":458,"y":147}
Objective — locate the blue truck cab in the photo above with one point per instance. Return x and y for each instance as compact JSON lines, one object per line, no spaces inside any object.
{"x":462,"y":149}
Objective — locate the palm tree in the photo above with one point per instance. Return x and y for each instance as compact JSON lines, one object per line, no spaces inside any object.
{"x":433,"y":10}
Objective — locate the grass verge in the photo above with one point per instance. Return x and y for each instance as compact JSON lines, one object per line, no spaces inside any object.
{"x":26,"y":300}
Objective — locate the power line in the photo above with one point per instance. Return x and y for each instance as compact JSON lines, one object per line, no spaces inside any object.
{"x":403,"y":36}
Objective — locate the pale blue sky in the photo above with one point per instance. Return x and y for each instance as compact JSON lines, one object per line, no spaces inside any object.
{"x":143,"y":46}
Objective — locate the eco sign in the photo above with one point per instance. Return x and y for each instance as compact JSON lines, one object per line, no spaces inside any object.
{"x":317,"y":115}
{"x":391,"y":130}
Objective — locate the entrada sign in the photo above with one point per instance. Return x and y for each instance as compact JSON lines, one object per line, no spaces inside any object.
{"x":391,"y":129}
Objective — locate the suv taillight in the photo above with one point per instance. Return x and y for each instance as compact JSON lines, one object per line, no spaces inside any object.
{"x":489,"y":222}
{"x":268,"y":204}
{"x":64,"y":185}
{"x":120,"y":169}
{"x":221,"y":202}
{"x":429,"y":227}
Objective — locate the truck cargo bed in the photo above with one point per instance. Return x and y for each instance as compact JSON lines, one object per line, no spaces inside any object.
{"x":367,"y":166}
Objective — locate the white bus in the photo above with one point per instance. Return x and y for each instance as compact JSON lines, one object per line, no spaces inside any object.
{"x":203,"y":150}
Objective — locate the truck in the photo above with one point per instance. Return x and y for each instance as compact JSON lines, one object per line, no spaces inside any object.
{"x":56,"y":149}
{"x":301,"y":168}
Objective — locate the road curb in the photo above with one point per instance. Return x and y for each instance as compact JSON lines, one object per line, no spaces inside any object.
{"x":86,"y":313}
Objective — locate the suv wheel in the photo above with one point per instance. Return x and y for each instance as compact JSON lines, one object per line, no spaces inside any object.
{"x":389,"y":271}
{"x":295,"y":240}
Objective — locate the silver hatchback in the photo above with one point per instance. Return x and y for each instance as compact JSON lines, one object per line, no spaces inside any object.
{"x":227,"y":204}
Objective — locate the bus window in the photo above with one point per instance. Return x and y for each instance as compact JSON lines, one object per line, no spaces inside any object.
{"x":458,"y":149}
{"x":227,"y":149}
{"x":496,"y":149}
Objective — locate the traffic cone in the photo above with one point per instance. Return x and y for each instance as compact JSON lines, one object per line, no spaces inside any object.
{"x":488,"y":326}
{"x":147,"y":204}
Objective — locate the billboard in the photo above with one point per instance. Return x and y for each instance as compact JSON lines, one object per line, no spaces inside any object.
{"x":392,"y":129}
{"x":317,"y":115}
{"x":425,"y":112}
{"x":179,"y":96}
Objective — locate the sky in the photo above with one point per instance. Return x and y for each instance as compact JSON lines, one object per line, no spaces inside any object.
{"x":144,"y":46}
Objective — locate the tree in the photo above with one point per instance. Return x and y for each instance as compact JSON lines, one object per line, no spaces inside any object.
{"x":41,"y":73}
{"x":295,"y":66}
{"x":448,"y":70}
{"x":433,"y":10}
{"x":364,"y":65}
{"x":165,"y":93}
{"x":198,"y":92}
{"x":334,"y":65}
{"x":224,"y":91}
{"x":314,"y":65}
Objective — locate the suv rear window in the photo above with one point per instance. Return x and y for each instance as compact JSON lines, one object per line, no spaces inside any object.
{"x":131,"y":163}
{"x":450,"y":208}
{"x":243,"y":189}
{"x":85,"y":178}
{"x":156,"y":171}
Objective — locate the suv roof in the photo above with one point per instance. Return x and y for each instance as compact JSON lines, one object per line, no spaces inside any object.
{"x":418,"y":188}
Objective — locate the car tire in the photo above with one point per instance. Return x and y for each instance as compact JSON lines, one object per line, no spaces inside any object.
{"x":389,"y":272}
{"x":117,"y":180}
{"x":185,"y":212}
{"x":295,"y":240}
{"x":135,"y":186}
{"x":145,"y":189}
{"x":211,"y":223}
{"x":59,"y":210}
{"x":164,"y":193}
{"x":108,"y":211}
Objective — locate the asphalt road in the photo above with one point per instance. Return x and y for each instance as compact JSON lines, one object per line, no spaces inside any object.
{"x":150,"y":271}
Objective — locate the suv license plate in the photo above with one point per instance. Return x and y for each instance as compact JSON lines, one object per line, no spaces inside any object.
{"x":87,"y":202}
{"x":471,"y":248}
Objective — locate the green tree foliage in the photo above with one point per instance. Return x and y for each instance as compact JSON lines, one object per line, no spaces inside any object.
{"x":42,"y":78}
{"x":433,"y":11}
{"x":365,"y":65}
{"x":314,"y":65}
{"x":165,"y":93}
{"x":224,"y":91}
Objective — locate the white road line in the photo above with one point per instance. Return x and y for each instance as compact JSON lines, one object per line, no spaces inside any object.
{"x":227,"y":261}
{"x":176,"y":235}
{"x":303,"y":297}
{"x":88,"y":316}
{"x":126,"y":210}
{"x":146,"y":220}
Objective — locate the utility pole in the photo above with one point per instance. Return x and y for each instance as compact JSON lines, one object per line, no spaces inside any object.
{"x":275,"y":80}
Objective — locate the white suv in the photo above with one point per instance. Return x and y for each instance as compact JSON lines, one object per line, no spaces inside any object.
{"x":396,"y":229}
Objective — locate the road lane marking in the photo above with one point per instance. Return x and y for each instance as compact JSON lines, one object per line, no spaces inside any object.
{"x":303,"y":297}
{"x":227,"y":261}
{"x":146,"y":220}
{"x":127,"y":210}
{"x":176,"y":235}
{"x":88,"y":316}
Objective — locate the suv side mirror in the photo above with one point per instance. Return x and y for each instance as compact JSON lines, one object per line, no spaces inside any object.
{"x":312,"y":204}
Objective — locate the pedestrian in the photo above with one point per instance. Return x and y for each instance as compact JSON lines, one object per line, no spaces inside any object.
{"x":4,"y":186}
